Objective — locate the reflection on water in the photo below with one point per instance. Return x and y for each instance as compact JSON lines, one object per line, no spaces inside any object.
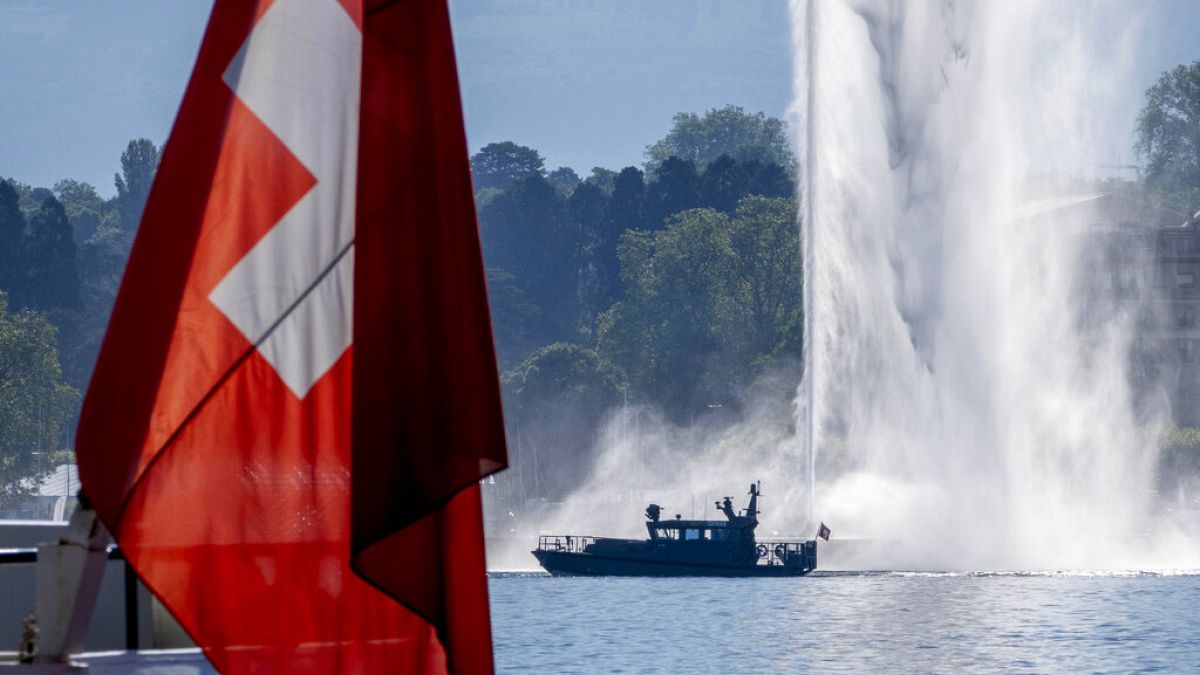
{"x":850,"y":622}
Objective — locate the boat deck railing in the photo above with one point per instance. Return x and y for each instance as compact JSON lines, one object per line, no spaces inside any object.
{"x":29,"y":556}
{"x":778,"y":552}
{"x":566,"y":543}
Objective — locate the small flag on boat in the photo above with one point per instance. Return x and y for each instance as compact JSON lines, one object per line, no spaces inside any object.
{"x":297,"y":394}
{"x":823,"y":532}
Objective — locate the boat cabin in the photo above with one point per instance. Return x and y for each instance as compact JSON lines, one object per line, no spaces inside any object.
{"x":694,"y":530}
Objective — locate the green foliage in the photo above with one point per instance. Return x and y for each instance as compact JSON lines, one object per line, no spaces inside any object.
{"x":12,"y":233}
{"x":32,"y":200}
{"x":86,"y":210}
{"x":623,"y":212}
{"x":101,"y":264}
{"x":485,"y":196}
{"x":723,"y":131}
{"x":499,"y":165}
{"x":1179,"y":460}
{"x":29,"y":198}
{"x":1168,"y":130}
{"x":51,"y":277}
{"x":1185,"y":201}
{"x":72,"y":254}
{"x":605,"y":179}
{"x":585,"y":210}
{"x":693,"y":303}
{"x":705,"y":300}
{"x":24,"y":194}
{"x":512,"y":313}
{"x":666,"y":332}
{"x":766,"y":243}
{"x":724,"y":181}
{"x":564,"y":179}
{"x":555,"y":402}
{"x":139,"y":163}
{"x":768,"y":179}
{"x":525,"y":232}
{"x":564,"y":371}
{"x":36,"y":407}
{"x":676,"y":188}
{"x":1181,"y":448}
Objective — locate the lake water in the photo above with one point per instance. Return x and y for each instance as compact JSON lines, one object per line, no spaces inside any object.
{"x":849,"y":622}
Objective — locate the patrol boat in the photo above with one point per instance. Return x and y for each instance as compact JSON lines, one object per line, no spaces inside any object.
{"x":676,"y":548}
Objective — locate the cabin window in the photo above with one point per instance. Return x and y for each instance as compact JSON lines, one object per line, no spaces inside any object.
{"x":719,"y":535}
{"x":692,"y":534}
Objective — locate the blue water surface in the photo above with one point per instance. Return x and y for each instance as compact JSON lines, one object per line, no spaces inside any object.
{"x":847,"y":622}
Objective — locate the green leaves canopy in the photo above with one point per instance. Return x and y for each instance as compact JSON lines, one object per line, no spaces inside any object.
{"x":499,"y":165}
{"x":1168,"y":130}
{"x":723,"y":131}
{"x":706,"y":300}
{"x":35,"y":405}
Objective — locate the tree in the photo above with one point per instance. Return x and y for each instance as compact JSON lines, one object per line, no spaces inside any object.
{"x":12,"y":232}
{"x":51,"y":270}
{"x":603,"y":178}
{"x":676,"y":188}
{"x":1168,"y":130}
{"x":708,"y":304}
{"x":623,"y":212}
{"x":766,"y":243}
{"x":723,"y":183}
{"x":33,"y":199}
{"x":29,"y":198}
{"x":526,"y":233}
{"x":767,"y":179}
{"x":723,"y":131}
{"x":139,"y":163}
{"x":1179,"y":463}
{"x":86,"y":210}
{"x":564,"y":179}
{"x":555,"y":402}
{"x":666,"y":331}
{"x":499,"y":165}
{"x":101,"y":264}
{"x":585,"y":210}
{"x":35,"y":405}
{"x":511,"y":315}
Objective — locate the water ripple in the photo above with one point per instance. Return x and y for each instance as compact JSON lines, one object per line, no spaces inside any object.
{"x":1137,"y":621}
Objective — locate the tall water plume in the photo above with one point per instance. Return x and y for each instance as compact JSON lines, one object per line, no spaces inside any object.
{"x":963,"y":396}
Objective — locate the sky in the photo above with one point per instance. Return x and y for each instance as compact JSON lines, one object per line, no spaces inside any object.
{"x":585,"y":82}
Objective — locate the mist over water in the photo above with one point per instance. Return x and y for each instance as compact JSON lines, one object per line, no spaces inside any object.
{"x":962,"y":396}
{"x":968,"y":399}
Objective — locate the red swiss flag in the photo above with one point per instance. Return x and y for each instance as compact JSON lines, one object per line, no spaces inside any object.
{"x":297,"y":394}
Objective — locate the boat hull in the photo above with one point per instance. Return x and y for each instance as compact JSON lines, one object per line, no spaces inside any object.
{"x":566,"y":563}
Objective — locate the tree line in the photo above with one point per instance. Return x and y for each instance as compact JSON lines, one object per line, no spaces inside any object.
{"x":62,"y":253}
